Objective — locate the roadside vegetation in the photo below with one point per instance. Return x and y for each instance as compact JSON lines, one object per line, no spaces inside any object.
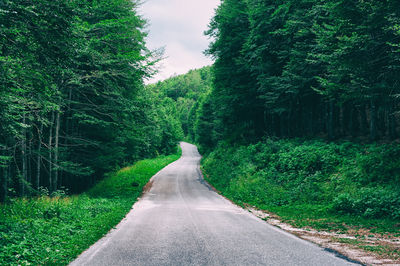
{"x":341,"y":187}
{"x":73,"y":104}
{"x":314,"y":177}
{"x":298,"y":116}
{"x":347,"y":185}
{"x":55,"y":230}
{"x":302,"y":118}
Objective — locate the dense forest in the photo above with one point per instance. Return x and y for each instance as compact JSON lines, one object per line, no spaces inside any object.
{"x":300,"y":111}
{"x":187,"y":93}
{"x":303,"y":68}
{"x":302,"y":118}
{"x":298,"y":116}
{"x":73,"y":104}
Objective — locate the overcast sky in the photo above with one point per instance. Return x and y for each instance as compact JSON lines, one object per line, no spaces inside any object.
{"x":178,"y":25}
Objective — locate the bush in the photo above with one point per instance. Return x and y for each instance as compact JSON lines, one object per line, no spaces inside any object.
{"x":355,"y":179}
{"x":380,"y":164}
{"x":370,"y":203}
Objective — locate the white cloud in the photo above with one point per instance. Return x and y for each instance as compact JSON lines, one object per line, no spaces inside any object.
{"x":178,"y":25}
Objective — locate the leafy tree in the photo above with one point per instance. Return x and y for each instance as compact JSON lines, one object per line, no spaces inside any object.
{"x":304,"y":68}
{"x":185,"y":92}
{"x":72,"y":100}
{"x":239,"y":109}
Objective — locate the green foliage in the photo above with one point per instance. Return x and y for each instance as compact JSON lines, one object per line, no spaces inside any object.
{"x":235,"y":104}
{"x":380,"y":164}
{"x":182,"y":96}
{"x":73,"y":104}
{"x":370,"y":203}
{"x":284,"y":173}
{"x":44,"y":231}
{"x":302,"y":68}
{"x":204,"y":126}
{"x":308,"y":69}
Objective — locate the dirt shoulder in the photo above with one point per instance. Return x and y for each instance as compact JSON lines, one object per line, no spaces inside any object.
{"x":359,"y":245}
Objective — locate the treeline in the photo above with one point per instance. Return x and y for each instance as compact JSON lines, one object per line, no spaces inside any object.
{"x":338,"y":177}
{"x":72,"y":100}
{"x":301,"y":68}
{"x":186,"y":94}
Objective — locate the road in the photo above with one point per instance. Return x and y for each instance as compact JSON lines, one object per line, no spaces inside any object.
{"x":182,"y":221}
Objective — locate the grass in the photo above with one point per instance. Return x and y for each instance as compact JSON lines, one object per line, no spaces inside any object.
{"x":346,"y":187}
{"x":54,"y":231}
{"x":320,"y":218}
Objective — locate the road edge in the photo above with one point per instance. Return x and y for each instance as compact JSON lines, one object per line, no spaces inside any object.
{"x":338,"y":253}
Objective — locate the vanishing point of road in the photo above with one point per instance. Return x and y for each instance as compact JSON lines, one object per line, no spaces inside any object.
{"x":182,"y":221}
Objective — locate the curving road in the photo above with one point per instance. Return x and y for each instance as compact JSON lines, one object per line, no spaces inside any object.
{"x":181,"y":221}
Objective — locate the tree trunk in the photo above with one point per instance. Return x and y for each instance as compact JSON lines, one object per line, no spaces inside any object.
{"x":281,"y":126}
{"x":24,"y":159}
{"x":363,"y":120}
{"x":392,"y":122}
{"x":330,"y":126}
{"x":68,"y":130}
{"x":373,"y":133}
{"x":274,"y":127}
{"x":3,"y":184}
{"x":351,"y":122}
{"x":265,"y":122}
{"x":310,"y":122}
{"x":55,"y":181}
{"x":39,"y":158}
{"x":341,"y":121}
{"x":29,"y":159}
{"x":51,"y":153}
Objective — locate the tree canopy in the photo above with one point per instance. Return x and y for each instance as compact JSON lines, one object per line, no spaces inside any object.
{"x":303,"y":69}
{"x":73,"y":104}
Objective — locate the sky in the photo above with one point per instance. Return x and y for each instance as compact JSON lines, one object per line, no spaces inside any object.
{"x":178,"y":26}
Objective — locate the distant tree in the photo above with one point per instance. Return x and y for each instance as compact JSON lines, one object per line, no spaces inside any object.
{"x":186,"y":92}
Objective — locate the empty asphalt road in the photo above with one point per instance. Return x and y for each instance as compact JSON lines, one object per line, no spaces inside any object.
{"x":181,"y":221}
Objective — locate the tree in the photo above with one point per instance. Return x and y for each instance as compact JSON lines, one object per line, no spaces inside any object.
{"x":72,"y":100}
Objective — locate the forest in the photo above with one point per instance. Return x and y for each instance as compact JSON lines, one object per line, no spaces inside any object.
{"x":302,"y":116}
{"x":304,"y":68}
{"x":299,"y":116}
{"x":187,"y":94}
{"x":73,"y":105}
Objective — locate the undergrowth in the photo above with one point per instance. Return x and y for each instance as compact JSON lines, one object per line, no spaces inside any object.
{"x":313,"y":183}
{"x":54,"y":231}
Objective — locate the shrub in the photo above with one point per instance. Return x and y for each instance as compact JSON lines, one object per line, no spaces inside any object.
{"x":370,"y":203}
{"x":380,"y":164}
{"x":353,"y":178}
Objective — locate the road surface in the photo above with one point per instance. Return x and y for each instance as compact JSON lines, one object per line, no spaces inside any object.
{"x":181,"y":221}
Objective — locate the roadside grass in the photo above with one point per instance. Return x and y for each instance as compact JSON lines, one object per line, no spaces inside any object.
{"x":320,"y":218}
{"x":54,"y":231}
{"x":345,"y":188}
